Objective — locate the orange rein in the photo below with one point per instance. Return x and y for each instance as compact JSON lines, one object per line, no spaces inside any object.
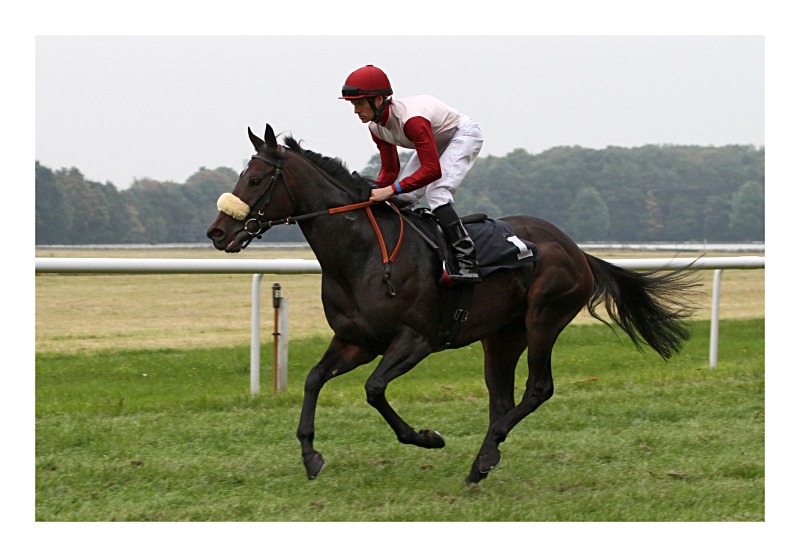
{"x":387,"y":259}
{"x":367,"y":205}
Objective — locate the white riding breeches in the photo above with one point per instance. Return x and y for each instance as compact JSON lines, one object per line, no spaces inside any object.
{"x":455,"y":161}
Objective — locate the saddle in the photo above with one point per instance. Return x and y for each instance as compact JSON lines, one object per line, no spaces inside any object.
{"x":497,"y":247}
{"x":496,"y":244}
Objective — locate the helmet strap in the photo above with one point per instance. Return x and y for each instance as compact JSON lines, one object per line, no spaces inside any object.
{"x":377,"y":112}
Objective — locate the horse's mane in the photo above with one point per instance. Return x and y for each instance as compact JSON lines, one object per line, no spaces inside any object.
{"x":333,"y":167}
{"x":338,"y":171}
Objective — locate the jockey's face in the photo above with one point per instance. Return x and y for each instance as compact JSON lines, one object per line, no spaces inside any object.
{"x":364,"y":111}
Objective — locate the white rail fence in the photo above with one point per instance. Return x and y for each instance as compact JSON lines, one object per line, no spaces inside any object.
{"x":259,"y":267}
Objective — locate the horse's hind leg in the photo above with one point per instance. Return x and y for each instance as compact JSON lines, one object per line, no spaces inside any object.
{"x":501,"y":354}
{"x":538,"y":389}
{"x":338,"y":359}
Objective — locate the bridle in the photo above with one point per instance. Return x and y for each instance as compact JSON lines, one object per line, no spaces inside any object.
{"x":254,"y":226}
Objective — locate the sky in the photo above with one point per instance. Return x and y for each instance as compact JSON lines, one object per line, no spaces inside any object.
{"x":128,"y":107}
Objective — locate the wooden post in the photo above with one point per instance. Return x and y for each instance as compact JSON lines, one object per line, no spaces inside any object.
{"x":276,"y":304}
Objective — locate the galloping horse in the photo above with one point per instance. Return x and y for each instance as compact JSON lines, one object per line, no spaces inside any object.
{"x":512,"y":309}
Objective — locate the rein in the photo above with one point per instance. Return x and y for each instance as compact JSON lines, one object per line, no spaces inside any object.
{"x":366,"y":205}
{"x":387,"y":259}
{"x":255,"y":227}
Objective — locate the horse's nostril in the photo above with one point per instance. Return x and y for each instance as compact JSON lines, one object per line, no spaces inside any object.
{"x":215,"y":233}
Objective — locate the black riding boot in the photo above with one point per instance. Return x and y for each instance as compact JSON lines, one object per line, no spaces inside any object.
{"x":459,"y":241}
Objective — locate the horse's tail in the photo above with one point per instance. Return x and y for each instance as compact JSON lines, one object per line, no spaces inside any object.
{"x":651,"y":307}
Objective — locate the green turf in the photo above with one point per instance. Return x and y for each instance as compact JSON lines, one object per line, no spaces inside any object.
{"x":173,"y":435}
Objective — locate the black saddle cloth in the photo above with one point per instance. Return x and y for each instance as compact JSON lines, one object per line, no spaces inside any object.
{"x":496,"y":244}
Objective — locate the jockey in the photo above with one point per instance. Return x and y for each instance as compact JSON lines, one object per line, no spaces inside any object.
{"x":446,"y":144}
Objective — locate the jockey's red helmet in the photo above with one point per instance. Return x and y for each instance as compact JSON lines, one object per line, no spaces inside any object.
{"x":368,"y":81}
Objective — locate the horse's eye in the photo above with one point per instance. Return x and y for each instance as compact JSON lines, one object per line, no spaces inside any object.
{"x":255,"y":181}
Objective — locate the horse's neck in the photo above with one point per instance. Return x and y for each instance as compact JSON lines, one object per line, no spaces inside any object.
{"x":339,"y":240}
{"x":316,"y":192}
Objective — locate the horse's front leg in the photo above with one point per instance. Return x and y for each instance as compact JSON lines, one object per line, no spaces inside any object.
{"x":339,"y":358}
{"x":406,"y":351}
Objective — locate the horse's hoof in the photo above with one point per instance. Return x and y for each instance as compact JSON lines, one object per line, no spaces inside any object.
{"x":475,"y":475}
{"x":474,"y":478}
{"x":314,"y":464}
{"x":431,"y":439}
{"x":488,"y":462}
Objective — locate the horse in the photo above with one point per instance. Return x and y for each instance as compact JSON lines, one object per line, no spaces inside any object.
{"x":512,"y":310}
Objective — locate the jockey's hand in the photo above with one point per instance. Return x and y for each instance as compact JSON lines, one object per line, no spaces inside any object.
{"x":381,"y":194}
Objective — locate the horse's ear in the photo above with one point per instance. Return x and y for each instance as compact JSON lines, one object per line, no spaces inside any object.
{"x":257,"y":142}
{"x":269,"y":138}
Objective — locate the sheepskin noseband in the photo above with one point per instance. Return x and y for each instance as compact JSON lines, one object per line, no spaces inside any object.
{"x":233,"y":206}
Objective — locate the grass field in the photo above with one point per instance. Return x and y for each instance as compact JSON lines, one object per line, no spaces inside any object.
{"x":135,"y":421}
{"x":171,"y":435}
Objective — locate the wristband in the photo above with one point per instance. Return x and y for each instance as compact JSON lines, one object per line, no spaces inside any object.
{"x":397,"y":187}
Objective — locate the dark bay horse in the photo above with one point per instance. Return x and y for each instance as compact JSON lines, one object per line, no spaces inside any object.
{"x":512,"y":310}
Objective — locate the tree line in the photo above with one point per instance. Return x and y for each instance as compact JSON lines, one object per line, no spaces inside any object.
{"x":655,"y":193}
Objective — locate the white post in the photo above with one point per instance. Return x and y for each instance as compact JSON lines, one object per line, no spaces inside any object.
{"x":714,"y":342}
{"x":255,"y":337}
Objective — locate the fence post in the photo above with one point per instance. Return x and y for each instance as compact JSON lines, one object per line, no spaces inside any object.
{"x":255,"y":336}
{"x":714,"y":340}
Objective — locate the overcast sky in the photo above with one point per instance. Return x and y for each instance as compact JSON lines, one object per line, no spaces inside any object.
{"x":125,"y":107}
